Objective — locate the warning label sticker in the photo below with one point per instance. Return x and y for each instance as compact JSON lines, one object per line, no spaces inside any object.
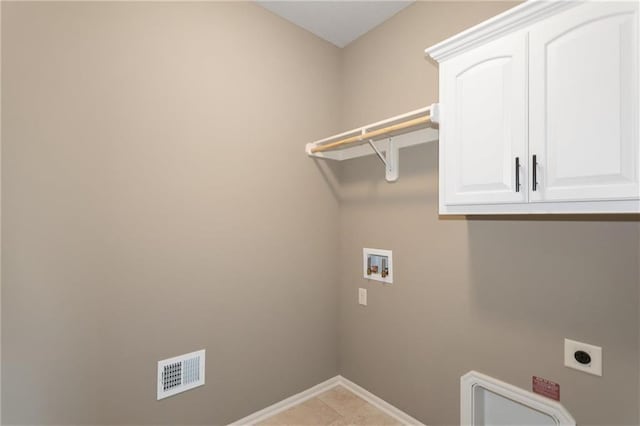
{"x":546,"y":388}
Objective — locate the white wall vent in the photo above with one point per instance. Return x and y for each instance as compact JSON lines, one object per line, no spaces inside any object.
{"x":180,"y":373}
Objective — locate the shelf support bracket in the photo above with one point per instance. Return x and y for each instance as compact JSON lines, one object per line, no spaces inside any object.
{"x":391,"y":160}
{"x":380,"y":156}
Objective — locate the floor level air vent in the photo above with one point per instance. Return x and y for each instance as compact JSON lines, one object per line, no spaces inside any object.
{"x":180,"y":373}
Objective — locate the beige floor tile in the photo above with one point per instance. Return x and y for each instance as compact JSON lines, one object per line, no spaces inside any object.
{"x":311,"y":412}
{"x":335,"y":407}
{"x":367,"y":415}
{"x":342,"y":400}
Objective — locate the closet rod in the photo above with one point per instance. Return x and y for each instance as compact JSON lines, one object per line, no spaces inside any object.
{"x":372,"y":134}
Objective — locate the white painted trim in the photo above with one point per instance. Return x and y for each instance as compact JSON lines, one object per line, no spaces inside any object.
{"x":569,"y":207}
{"x":287,"y":403}
{"x":316,"y":390}
{"x":380,"y":403}
{"x":545,"y":405}
{"x":509,"y":21}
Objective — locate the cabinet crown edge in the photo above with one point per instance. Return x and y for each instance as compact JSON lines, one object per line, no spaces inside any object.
{"x":509,"y":21}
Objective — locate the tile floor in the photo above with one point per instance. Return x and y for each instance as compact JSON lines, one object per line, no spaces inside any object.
{"x":335,"y":407}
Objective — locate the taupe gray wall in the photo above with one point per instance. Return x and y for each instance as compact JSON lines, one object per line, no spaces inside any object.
{"x":157,"y":201}
{"x":497,"y":295}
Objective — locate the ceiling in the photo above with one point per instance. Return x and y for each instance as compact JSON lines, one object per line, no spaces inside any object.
{"x":339,"y":22}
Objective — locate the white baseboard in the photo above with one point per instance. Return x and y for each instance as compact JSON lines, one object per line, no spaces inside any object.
{"x":316,"y":390}
{"x":380,"y":403}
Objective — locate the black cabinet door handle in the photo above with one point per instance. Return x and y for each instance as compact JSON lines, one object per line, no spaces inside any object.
{"x":517,"y":174}
{"x":535,"y":172}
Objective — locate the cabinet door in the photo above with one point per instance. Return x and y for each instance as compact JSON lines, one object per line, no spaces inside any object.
{"x":584,"y":103}
{"x":483,"y":129}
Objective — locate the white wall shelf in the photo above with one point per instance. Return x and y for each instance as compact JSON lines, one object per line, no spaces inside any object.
{"x":383,"y":138}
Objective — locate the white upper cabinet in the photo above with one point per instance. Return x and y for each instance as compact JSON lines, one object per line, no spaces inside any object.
{"x":584,"y":103}
{"x":544,"y":95}
{"x":486,"y":139}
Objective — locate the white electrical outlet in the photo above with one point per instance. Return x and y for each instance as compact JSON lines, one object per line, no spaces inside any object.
{"x":583,"y":357}
{"x":362,"y":296}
